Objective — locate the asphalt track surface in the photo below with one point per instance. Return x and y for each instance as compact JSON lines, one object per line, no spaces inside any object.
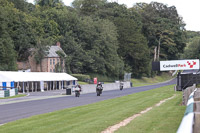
{"x":16,"y":111}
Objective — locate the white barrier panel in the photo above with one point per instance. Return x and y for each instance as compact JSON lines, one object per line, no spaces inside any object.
{"x":186,"y":124}
{"x":1,"y":93}
{"x":12,"y":92}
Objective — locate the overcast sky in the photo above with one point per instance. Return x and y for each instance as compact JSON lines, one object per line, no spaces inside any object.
{"x":188,"y":9}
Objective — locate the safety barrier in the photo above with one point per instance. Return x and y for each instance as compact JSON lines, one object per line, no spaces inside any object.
{"x":187,"y":122}
{"x":8,"y":93}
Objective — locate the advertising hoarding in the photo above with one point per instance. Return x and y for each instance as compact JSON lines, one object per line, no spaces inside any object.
{"x":179,"y":65}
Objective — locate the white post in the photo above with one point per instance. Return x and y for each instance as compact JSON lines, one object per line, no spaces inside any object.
{"x":53,"y":86}
{"x":47,"y":85}
{"x":23,"y":86}
{"x":36,"y":86}
{"x":28,"y":86}
{"x":50,"y":85}
{"x":62,"y":84}
{"x":42,"y":86}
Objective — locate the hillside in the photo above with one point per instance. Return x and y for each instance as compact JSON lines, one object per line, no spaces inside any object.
{"x":97,"y":36}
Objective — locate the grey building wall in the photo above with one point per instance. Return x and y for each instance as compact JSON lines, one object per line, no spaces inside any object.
{"x":90,"y":88}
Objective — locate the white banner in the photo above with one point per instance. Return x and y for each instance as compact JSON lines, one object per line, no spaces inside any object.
{"x":179,"y":65}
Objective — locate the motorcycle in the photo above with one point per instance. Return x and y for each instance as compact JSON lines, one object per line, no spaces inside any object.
{"x":77,"y":93}
{"x":99,"y":90}
{"x":77,"y":90}
{"x":121,"y":86}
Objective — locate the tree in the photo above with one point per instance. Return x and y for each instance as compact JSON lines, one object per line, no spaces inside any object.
{"x":192,"y":51}
{"x":49,"y":3}
{"x":23,"y":5}
{"x":133,"y":47}
{"x":88,"y":7}
{"x":40,"y":51}
{"x":163,"y":29}
{"x":7,"y":53}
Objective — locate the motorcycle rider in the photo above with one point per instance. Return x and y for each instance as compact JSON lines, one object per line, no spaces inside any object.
{"x":121,"y":85}
{"x":99,"y":84}
{"x":77,"y":90}
{"x":99,"y":88}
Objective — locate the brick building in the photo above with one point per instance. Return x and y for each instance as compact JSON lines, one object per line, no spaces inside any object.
{"x":50,"y":63}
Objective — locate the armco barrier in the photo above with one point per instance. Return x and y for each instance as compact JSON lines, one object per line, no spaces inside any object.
{"x":186,"y":125}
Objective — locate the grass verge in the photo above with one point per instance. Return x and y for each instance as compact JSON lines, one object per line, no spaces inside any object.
{"x":82,"y":83}
{"x":96,"y":117}
{"x":19,"y":95}
{"x":163,"y":119}
{"x":149,"y":81}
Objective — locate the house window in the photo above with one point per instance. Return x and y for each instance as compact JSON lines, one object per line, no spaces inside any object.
{"x":50,"y":61}
{"x":62,"y":62}
{"x":50,"y":70}
{"x":57,"y":60}
{"x":54,"y":61}
{"x":53,"y":70}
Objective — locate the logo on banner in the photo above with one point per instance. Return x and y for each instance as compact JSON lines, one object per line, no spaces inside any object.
{"x":191,"y":64}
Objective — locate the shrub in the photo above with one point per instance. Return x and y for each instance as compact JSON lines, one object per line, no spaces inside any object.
{"x":81,"y":77}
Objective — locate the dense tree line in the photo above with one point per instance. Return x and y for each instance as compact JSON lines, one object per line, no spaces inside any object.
{"x":97,"y":36}
{"x":192,"y":50}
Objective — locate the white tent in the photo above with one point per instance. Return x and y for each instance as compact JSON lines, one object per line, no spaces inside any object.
{"x":8,"y":76}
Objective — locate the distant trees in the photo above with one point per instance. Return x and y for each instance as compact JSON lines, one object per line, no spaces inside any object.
{"x":96,"y":35}
{"x":192,"y":50}
{"x":163,"y":28}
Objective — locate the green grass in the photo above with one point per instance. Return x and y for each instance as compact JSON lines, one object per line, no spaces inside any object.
{"x":85,"y":83}
{"x":163,"y":119}
{"x":82,"y":83}
{"x":94,"y":118}
{"x":149,"y":81}
{"x":19,"y":95}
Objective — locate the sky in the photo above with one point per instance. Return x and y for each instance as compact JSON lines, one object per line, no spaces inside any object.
{"x":188,"y":9}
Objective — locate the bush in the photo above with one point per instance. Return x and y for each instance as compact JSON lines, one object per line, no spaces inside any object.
{"x":82,"y":77}
{"x":103,"y":78}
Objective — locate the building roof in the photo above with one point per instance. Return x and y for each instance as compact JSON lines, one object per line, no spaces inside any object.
{"x":8,"y":76}
{"x":53,"y":50}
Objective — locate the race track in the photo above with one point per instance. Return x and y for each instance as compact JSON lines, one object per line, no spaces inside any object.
{"x":15,"y":111}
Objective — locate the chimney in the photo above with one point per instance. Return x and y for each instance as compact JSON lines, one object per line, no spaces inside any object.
{"x":58,"y":44}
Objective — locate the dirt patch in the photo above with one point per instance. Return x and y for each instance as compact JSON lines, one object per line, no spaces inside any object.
{"x":128,"y":120}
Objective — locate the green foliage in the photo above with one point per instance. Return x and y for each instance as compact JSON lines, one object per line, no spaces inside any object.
{"x":192,"y":51}
{"x":7,"y":53}
{"x":103,"y":78}
{"x":163,"y":28}
{"x":97,"y":36}
{"x":81,"y":77}
{"x":50,"y":3}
